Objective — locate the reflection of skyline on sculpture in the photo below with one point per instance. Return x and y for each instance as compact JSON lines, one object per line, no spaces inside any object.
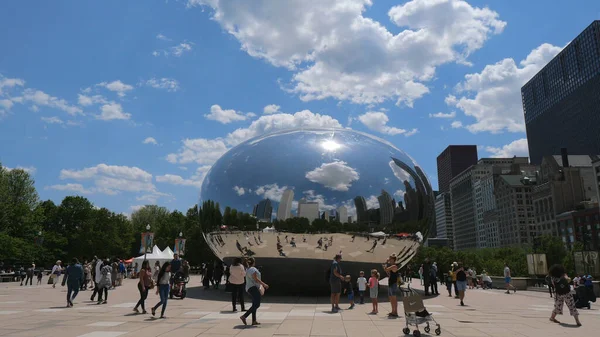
{"x":330,"y":174}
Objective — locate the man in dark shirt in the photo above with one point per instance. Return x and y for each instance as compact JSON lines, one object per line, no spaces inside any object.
{"x":461,"y":282}
{"x":175,"y":266}
{"x":427,"y":275}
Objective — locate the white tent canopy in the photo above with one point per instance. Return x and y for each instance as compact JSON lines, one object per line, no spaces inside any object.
{"x":156,"y":255}
{"x":268,"y":230}
{"x":167,"y":253}
{"x":378,"y":234}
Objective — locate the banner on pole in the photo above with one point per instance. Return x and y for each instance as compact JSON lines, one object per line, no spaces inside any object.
{"x":147,"y":242}
{"x":179,"y":247}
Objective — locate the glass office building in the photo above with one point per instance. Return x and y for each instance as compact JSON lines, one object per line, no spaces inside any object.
{"x":562,"y":102}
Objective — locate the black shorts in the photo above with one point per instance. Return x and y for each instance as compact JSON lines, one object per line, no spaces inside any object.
{"x":336,"y":286}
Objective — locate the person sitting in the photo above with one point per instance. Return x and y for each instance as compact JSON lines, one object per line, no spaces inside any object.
{"x":486,"y":280}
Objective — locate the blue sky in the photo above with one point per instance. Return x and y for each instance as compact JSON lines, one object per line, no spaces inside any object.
{"x":129,"y":103}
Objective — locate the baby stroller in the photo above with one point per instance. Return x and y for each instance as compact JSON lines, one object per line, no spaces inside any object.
{"x":178,"y":289}
{"x":415,"y":314}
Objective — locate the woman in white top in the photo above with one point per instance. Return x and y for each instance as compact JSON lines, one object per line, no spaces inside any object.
{"x":164,"y":277}
{"x":237,"y":275}
{"x":56,"y":271}
{"x":253,"y":285}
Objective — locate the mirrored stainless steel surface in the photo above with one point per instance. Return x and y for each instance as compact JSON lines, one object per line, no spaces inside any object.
{"x":325,"y":191}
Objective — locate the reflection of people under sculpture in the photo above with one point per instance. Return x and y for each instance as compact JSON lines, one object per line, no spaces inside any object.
{"x":372,"y":250}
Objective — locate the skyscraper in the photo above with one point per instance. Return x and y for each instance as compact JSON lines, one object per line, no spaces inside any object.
{"x":285,"y":205}
{"x":561,"y":102}
{"x":342,"y":214}
{"x":263,"y":210}
{"x":361,"y":210}
{"x":452,"y":161}
{"x":386,"y":208}
{"x":309,"y":210}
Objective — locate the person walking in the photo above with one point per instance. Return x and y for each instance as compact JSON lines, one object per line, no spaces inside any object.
{"x":105,"y":281}
{"x":433,"y":279}
{"x":29,"y":274}
{"x":562,"y":294}
{"x":426,"y":275}
{"x":421,"y":273}
{"x":461,"y":283}
{"x":73,"y":278}
{"x":392,"y":271}
{"x":56,"y":272}
{"x":256,"y":288}
{"x":507,"y":279}
{"x":97,"y":275}
{"x":144,"y":283}
{"x":335,"y":282}
{"x":164,"y":279}
{"x":237,"y":275}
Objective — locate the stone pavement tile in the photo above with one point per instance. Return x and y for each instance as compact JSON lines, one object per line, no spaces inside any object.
{"x":227,"y":328}
{"x":153,"y":331}
{"x":466,"y":331}
{"x":185,"y":332}
{"x":328,"y":328}
{"x":499,"y":332}
{"x":104,"y":334}
{"x":294,"y":327}
{"x":263,"y":330}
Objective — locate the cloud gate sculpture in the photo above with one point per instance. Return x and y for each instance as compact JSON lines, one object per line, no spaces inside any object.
{"x":315,"y":193}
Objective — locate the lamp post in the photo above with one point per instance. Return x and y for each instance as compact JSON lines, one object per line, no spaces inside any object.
{"x":146,"y":241}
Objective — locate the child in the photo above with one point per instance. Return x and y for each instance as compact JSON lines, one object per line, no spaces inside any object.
{"x":349,"y":290}
{"x":39,"y":276}
{"x":362,"y":286}
{"x":374,"y":289}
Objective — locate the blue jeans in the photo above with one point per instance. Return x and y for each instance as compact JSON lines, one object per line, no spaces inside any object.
{"x":74,"y":289}
{"x":163,"y":291}
{"x":255,"y":294}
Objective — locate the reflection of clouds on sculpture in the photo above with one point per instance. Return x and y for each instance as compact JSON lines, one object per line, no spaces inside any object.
{"x":239,"y":190}
{"x":372,"y":202}
{"x":271,"y":191}
{"x":399,"y":172}
{"x":336,"y":176}
{"x":399,"y":194}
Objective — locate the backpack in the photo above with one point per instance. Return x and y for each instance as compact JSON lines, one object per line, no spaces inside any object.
{"x":562,"y":287}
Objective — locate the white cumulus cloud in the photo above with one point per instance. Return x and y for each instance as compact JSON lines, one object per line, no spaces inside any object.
{"x":168,"y":84}
{"x":281,"y":121}
{"x":199,"y":150}
{"x":493,"y":96}
{"x":336,"y":176}
{"x":112,"y":179}
{"x":111,"y":111}
{"x":226,"y":116}
{"x":117,"y":86}
{"x":271,"y":109}
{"x":335,"y":51}
{"x":178,"y":180}
{"x":40,"y":98}
{"x":517,"y":148}
{"x":377,"y":121}
{"x":52,"y":120}
{"x":443,"y":115}
{"x":456,"y":124}
{"x":150,"y":140}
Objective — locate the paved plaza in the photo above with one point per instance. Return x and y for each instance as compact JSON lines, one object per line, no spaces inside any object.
{"x":40,"y":311}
